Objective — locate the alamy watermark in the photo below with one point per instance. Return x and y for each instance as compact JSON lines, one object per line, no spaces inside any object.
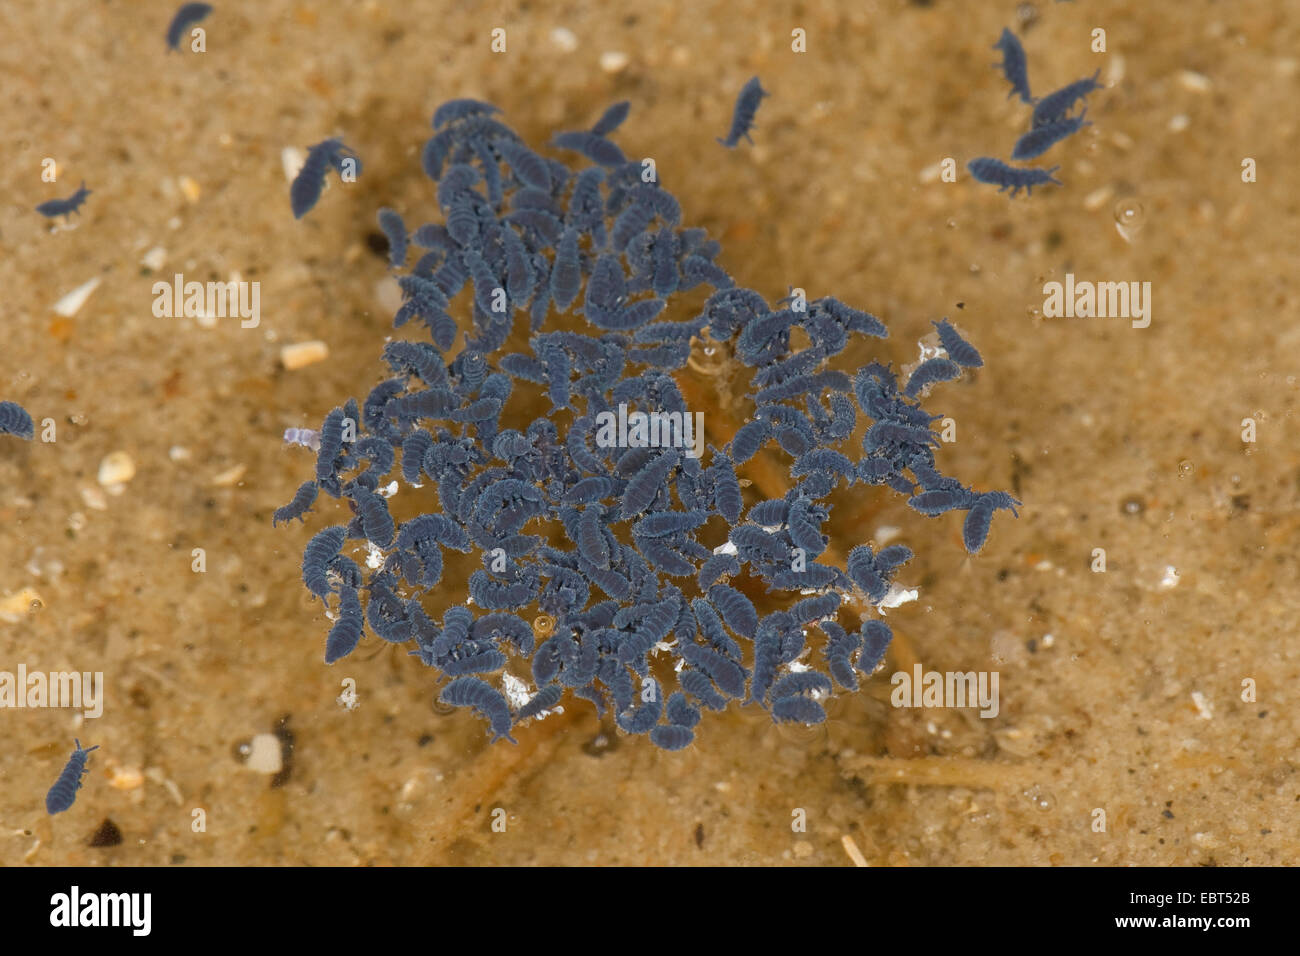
{"x":128,"y":910}
{"x":651,"y":430}
{"x":74,"y":689}
{"x":1099,"y":300}
{"x":213,"y":300}
{"x":924,"y":688}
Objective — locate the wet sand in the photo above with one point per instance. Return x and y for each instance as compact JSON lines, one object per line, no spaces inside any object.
{"x":1120,"y":691}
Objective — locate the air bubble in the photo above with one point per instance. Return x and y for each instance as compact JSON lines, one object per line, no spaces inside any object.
{"x":1130,"y":217}
{"x":1185,"y":467}
{"x":802,"y":734}
{"x":708,"y":356}
{"x":1041,"y":799}
{"x":834,"y":706}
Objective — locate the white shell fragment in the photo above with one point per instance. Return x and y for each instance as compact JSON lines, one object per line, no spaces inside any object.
{"x":71,"y":304}
{"x":1203,"y":709}
{"x":898,"y":596}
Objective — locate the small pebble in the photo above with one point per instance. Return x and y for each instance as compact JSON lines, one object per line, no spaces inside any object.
{"x":154,"y":259}
{"x":1122,"y":141}
{"x":108,"y":834}
{"x":291,"y":160}
{"x":931,"y":173}
{"x":128,"y":778}
{"x":189,"y":189}
{"x":117,"y":468}
{"x":302,"y":354}
{"x":614,"y":61}
{"x":1115,"y":69}
{"x":564,"y":40}
{"x":388,"y":294}
{"x":94,"y":498}
{"x":229,"y":477}
{"x":263,"y":754}
{"x":1098,"y":198}
{"x":1195,"y":82}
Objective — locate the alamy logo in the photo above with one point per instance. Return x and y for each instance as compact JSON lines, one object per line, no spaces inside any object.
{"x":651,"y":430}
{"x":946,"y":689}
{"x":54,"y":689}
{"x":103,"y":909}
{"x":1100,"y":300}
{"x":215,"y":300}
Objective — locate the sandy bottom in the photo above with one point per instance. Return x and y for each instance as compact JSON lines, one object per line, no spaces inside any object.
{"x":1147,"y":714}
